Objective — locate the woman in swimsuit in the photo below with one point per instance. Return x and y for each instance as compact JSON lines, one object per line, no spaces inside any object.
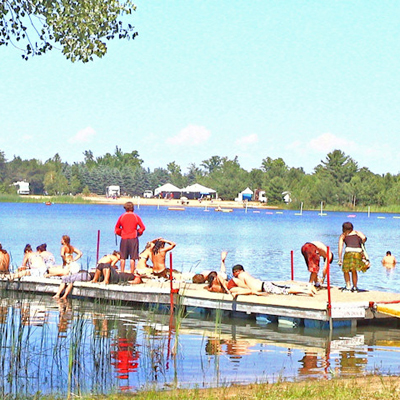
{"x":70,"y":265}
{"x":144,"y":256}
{"x":353,"y":256}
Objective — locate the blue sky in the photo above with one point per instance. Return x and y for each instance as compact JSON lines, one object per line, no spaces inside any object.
{"x":253,"y":79}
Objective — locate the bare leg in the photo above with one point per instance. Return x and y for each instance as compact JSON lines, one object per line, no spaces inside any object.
{"x":60,"y":289}
{"x":106,"y":273}
{"x":132,"y":264}
{"x":354,"y":277}
{"x":313,"y":277}
{"x":56,"y":271}
{"x":68,"y":290}
{"x":122,"y":263}
{"x":96,"y":276}
{"x":347,"y":280}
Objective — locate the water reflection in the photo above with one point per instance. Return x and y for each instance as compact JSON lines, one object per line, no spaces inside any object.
{"x":86,"y":347}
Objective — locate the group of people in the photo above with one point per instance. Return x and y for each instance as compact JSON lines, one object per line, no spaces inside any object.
{"x":352,"y":257}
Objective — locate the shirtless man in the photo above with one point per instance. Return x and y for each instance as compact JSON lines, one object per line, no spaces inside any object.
{"x":389,"y":261}
{"x":255,"y":286}
{"x":158,"y":255}
{"x":312,"y":252}
{"x":4,"y":261}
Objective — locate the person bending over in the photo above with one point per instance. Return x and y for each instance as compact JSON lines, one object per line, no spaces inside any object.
{"x":4,"y":261}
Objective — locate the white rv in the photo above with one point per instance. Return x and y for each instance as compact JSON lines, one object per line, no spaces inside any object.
{"x":23,"y":187}
{"x":113,"y":191}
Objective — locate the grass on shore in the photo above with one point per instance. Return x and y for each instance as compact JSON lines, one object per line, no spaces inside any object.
{"x":370,"y":387}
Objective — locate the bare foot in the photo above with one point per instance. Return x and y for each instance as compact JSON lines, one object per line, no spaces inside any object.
{"x":223,"y":255}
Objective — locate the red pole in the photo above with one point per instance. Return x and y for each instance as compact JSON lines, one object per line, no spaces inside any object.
{"x":171,"y":295}
{"x":292,"y":265}
{"x":98,"y":246}
{"x":328,"y":281}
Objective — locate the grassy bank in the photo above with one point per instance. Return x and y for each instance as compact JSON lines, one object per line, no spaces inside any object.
{"x":14,"y":198}
{"x":370,"y":387}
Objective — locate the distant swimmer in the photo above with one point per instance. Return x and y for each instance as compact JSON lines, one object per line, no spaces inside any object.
{"x":389,"y":261}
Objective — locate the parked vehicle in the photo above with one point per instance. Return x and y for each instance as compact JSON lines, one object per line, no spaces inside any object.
{"x":148,"y":194}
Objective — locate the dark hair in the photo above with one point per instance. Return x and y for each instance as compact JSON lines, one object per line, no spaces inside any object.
{"x":158,"y":244}
{"x":347,"y":227}
{"x":198,"y":278}
{"x":128,"y":206}
{"x":42,"y":247}
{"x":27,"y":248}
{"x":2,"y":250}
{"x":116,"y":253}
{"x":237,"y":267}
{"x":388,"y":253}
{"x":210,"y":277}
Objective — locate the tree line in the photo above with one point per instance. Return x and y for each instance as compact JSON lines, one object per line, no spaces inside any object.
{"x":336,"y":181}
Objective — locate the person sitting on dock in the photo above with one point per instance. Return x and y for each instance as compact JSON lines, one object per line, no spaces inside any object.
{"x":158,"y":254}
{"x":70,"y":265}
{"x":242,"y":279}
{"x":107,"y":271}
{"x":67,"y":283}
{"x":4,"y":261}
{"x":32,"y":265}
{"x":312,"y":253}
{"x":389,"y":261}
{"x":48,"y":257}
{"x":141,"y":266}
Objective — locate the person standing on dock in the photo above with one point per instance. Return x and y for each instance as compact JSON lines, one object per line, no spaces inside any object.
{"x":312,"y":253}
{"x":353,"y":259}
{"x":129,"y":226}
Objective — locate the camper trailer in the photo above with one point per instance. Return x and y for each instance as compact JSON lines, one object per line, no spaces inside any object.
{"x":23,"y":187}
{"x":113,"y":191}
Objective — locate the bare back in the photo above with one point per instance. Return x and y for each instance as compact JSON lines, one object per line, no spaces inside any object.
{"x":4,"y":262}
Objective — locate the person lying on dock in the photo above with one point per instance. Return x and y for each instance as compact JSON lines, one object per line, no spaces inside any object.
{"x":242,"y":279}
{"x":70,"y":265}
{"x":107,"y":273}
{"x":32,"y":265}
{"x":4,"y":261}
{"x":204,"y":276}
{"x":158,"y":254}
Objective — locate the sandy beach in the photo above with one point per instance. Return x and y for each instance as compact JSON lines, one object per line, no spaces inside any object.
{"x":177,"y":202}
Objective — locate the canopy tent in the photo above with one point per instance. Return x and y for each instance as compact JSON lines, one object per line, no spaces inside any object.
{"x":196,"y":191}
{"x":168,"y":189}
{"x":246,"y":194}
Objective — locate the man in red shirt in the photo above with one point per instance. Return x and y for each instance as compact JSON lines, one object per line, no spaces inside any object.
{"x":129,"y":226}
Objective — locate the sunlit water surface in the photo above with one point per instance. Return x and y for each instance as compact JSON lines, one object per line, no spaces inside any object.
{"x":86,"y":347}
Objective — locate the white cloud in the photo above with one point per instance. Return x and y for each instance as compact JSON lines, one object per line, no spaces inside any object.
{"x":83,"y":136}
{"x":245,"y":140}
{"x":192,"y":135}
{"x":327,"y":142}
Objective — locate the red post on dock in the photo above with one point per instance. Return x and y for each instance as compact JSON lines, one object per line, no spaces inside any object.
{"x":171,"y":294}
{"x":328,"y":281}
{"x":98,"y":246}
{"x":292,"y":265}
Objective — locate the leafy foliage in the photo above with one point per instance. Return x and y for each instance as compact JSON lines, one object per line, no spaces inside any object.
{"x":79,"y":27}
{"x":337,"y":181}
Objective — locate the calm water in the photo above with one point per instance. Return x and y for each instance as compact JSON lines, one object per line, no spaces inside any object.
{"x":122,"y":348}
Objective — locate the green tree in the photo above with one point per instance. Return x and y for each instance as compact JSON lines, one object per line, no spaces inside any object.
{"x":80,"y":28}
{"x":176,"y":174}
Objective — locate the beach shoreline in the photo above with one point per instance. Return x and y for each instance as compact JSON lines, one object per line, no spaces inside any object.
{"x":140,"y":201}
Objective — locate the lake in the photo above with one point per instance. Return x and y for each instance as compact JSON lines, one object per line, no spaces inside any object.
{"x":81,"y":346}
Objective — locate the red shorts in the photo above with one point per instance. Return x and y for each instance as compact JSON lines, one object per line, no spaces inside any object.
{"x":311,"y":256}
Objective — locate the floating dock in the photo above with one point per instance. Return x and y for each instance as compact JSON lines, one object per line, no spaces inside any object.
{"x":347,"y":309}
